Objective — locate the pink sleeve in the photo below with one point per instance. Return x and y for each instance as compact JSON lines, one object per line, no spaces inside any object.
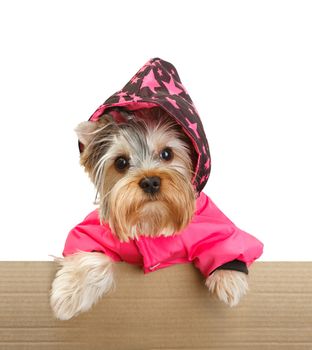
{"x":214,"y":240}
{"x":90,"y":236}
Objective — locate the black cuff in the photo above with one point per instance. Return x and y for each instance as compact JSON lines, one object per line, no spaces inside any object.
{"x":235,"y":265}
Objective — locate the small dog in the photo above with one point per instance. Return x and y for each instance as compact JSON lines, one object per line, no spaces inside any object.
{"x":142,"y":170}
{"x":147,"y":154}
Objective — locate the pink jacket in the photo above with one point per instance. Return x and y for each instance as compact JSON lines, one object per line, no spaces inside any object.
{"x":209,"y":241}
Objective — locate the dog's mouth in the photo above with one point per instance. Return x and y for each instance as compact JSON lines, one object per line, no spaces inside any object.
{"x":152,"y":197}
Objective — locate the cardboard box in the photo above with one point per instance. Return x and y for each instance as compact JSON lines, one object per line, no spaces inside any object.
{"x":167,"y":309}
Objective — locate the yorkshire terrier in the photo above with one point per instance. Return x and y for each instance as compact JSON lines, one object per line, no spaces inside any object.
{"x":142,"y":169}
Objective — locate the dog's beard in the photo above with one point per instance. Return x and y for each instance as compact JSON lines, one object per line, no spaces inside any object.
{"x":130,"y":212}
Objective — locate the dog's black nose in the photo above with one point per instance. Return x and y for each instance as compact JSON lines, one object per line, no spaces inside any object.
{"x":150,"y":184}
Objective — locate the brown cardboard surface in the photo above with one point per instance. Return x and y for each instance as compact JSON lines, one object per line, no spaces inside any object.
{"x":167,"y":309}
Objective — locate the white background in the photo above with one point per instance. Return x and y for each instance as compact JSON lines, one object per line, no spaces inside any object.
{"x":246,"y":64}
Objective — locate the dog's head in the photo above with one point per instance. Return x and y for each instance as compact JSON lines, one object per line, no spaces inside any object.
{"x":142,"y":169}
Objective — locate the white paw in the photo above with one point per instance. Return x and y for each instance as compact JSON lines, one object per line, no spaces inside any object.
{"x":82,"y":279}
{"x":229,"y":286}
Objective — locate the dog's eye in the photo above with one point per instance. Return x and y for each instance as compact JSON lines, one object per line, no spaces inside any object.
{"x":166,"y":154}
{"x":121,"y":163}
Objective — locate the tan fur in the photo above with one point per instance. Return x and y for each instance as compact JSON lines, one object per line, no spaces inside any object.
{"x":135,"y":213}
{"x":229,"y":286}
{"x":81,"y":280}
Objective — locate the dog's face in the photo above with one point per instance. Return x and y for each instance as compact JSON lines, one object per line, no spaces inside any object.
{"x":142,"y":170}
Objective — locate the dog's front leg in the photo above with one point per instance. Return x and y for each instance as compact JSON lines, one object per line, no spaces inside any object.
{"x":229,"y":286}
{"x":79,"y":283}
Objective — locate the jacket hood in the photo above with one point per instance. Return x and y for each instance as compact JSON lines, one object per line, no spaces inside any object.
{"x":157,"y":84}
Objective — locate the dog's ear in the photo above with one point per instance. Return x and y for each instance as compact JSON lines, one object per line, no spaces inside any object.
{"x":86,"y":130}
